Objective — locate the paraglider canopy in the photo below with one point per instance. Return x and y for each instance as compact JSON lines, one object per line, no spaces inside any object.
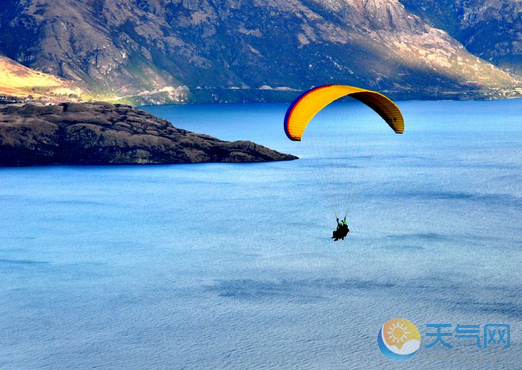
{"x":306,"y":106}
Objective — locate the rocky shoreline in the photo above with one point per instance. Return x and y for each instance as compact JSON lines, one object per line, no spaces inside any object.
{"x":102,"y":133}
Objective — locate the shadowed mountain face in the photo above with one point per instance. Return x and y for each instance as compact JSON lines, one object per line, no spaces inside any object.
{"x":490,"y":29}
{"x":249,"y":50}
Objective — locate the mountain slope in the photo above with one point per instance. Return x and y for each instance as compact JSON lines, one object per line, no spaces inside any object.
{"x":251,"y":50}
{"x":17,"y":80}
{"x":490,"y":29}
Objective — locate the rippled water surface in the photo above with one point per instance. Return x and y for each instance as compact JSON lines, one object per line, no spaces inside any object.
{"x":230,"y":266}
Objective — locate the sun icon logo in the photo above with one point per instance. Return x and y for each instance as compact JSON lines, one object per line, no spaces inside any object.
{"x":397,"y":333}
{"x":399,"y":340}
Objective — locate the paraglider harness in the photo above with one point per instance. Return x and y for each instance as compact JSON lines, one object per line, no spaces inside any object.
{"x":342,"y":230}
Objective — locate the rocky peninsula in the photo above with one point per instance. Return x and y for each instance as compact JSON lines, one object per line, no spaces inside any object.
{"x":102,"y":133}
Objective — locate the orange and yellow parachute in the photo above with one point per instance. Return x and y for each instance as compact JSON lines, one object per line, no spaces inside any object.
{"x":306,"y":106}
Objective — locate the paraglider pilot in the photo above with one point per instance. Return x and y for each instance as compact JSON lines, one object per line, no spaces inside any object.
{"x":342,"y":230}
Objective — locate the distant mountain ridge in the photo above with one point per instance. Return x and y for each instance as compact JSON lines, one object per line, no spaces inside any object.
{"x":156,"y":51}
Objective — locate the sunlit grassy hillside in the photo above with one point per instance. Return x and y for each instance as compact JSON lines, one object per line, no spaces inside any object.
{"x":20,"y":81}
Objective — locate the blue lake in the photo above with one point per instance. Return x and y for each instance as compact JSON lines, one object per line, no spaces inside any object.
{"x":231,"y":266}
